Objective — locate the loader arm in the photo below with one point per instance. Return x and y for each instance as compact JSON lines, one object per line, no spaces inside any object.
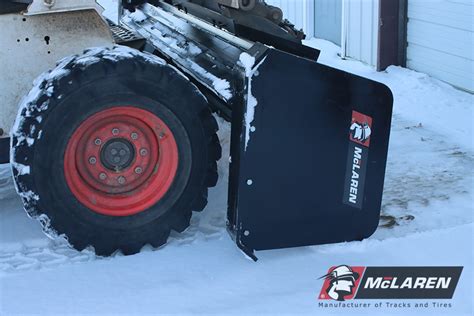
{"x":209,"y":53}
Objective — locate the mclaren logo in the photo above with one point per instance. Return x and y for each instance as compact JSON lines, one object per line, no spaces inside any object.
{"x":360,"y":131}
{"x":407,"y":283}
{"x":349,"y":282}
{"x":356,"y":162}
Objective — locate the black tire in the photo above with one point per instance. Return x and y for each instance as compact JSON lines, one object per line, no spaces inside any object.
{"x":78,"y":88}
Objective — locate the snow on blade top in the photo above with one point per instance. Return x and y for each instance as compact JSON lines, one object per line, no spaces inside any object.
{"x":248,"y":63}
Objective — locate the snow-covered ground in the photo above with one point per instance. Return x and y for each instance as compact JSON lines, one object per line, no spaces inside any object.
{"x":427,"y":220}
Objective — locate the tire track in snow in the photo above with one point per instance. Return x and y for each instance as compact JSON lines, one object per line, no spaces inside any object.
{"x":28,"y":254}
{"x":37,"y":257}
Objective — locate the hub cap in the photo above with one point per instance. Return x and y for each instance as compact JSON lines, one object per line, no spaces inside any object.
{"x":117,"y":154}
{"x":121,"y":161}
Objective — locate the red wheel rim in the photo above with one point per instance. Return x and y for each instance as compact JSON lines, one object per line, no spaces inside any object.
{"x":121,"y":161}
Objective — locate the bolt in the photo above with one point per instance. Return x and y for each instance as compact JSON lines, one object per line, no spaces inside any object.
{"x":249,"y":182}
{"x":122,"y":152}
{"x":138,"y":170}
{"x":92,"y":160}
{"x":102,"y":176}
{"x":246,"y":233}
{"x":252,"y":129}
{"x":143,"y":152}
{"x":134,"y":136}
{"x":97,"y":141}
{"x":162,"y":134}
{"x":113,"y":151}
{"x":116,"y":159}
{"x":48,"y":3}
{"x":115,"y":131}
{"x":121,"y":180}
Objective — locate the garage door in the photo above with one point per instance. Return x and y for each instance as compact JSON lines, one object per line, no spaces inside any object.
{"x":440,"y":37}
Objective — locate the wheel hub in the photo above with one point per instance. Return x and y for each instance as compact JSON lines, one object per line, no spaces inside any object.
{"x":117,"y":154}
{"x":121,"y":161}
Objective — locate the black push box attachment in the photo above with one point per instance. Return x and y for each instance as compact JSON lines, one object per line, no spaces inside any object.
{"x":309,"y":168}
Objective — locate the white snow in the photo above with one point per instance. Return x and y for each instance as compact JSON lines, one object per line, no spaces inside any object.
{"x":21,"y":169}
{"x":138,"y":16}
{"x":111,"y":9}
{"x":248,"y":62}
{"x":428,"y":198}
{"x":220,"y":85}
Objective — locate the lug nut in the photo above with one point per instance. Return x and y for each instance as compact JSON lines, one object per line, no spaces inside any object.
{"x":102,"y":176}
{"x":97,"y":141}
{"x":121,"y":180}
{"x":113,"y":151}
{"x":143,"y":152}
{"x":134,"y":136}
{"x":138,"y":170}
{"x":115,"y":131}
{"x":122,"y":152}
{"x":116,"y":159}
{"x":92,"y":160}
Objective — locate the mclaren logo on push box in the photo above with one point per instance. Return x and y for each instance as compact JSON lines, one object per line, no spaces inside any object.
{"x":344,"y":282}
{"x":359,"y":136}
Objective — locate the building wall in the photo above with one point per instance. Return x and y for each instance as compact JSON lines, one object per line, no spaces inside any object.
{"x":440,"y":36}
{"x":360,"y":30}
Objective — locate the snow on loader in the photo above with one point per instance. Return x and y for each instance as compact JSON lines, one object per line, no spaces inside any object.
{"x":115,"y":144}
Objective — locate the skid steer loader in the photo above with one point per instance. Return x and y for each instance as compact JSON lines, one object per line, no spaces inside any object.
{"x":115,"y":143}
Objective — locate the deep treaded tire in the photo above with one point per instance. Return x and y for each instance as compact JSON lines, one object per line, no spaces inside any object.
{"x":114,"y":149}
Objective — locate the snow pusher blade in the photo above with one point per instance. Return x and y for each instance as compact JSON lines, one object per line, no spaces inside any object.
{"x":309,"y":151}
{"x":309,"y":142}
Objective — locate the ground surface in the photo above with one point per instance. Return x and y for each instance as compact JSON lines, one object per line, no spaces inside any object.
{"x":427,"y":220}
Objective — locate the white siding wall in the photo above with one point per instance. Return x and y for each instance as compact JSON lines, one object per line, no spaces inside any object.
{"x":441,"y":40}
{"x":360,"y":30}
{"x":297,"y":12}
